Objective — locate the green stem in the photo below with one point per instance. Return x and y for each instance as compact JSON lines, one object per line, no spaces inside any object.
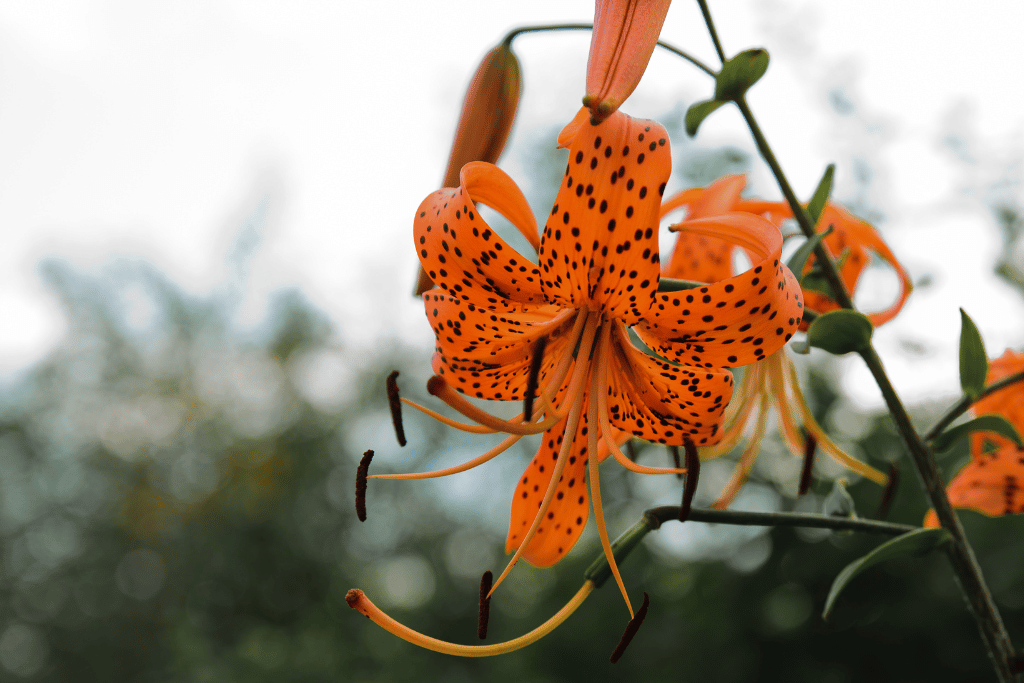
{"x":599,"y":571}
{"x":961,"y":555}
{"x":711,"y":29}
{"x":962,"y":558}
{"x":511,"y":35}
{"x":965,"y":403}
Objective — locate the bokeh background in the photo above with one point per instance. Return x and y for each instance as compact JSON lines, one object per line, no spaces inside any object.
{"x":205,"y":278}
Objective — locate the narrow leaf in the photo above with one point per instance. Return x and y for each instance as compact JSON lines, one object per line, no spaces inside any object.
{"x":840,"y":332}
{"x":973,"y":360}
{"x":985,"y":423}
{"x":699,"y":111}
{"x":821,"y":195}
{"x":671,"y":284}
{"x":799,"y":258}
{"x":739,"y":73}
{"x":911,"y":544}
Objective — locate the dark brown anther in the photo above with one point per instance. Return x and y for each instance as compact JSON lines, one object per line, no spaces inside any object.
{"x":1017,"y":663}
{"x":674,"y":450}
{"x":810,"y":446}
{"x":631,"y":629}
{"x":631,"y":450}
{"x":692,"y":474}
{"x":890,"y":491}
{"x":485,"y":604}
{"x":536,"y":359}
{"x":361,"y":472}
{"x":396,"y":407}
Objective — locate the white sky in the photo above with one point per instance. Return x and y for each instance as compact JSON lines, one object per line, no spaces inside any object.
{"x":143,"y":130}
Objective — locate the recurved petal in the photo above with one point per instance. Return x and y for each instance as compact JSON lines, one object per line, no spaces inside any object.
{"x":486,"y":352}
{"x":600,"y":244}
{"x":703,"y":258}
{"x":735,"y":321}
{"x":568,"y":513}
{"x":664,"y":402}
{"x":459,"y":250}
{"x":991,"y":484}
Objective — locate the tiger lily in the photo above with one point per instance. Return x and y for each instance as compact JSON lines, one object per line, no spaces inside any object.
{"x":771,"y":381}
{"x":991,"y":482}
{"x":557,"y":334}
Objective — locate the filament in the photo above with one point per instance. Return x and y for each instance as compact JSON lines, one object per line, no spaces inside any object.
{"x":357,"y":600}
{"x":742,"y":471}
{"x":468,"y":465}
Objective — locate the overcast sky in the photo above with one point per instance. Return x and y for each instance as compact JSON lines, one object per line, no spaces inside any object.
{"x":151,"y":130}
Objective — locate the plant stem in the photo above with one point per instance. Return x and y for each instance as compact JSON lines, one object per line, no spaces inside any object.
{"x":965,"y":402}
{"x":965,"y":565}
{"x":511,"y":35}
{"x":813,"y":521}
{"x":711,"y":29}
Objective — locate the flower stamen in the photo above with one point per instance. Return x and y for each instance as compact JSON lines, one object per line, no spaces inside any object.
{"x":692,"y":474}
{"x":361,"y":472}
{"x":357,"y":600}
{"x":631,"y":628}
{"x":810,"y":446}
{"x":536,"y":358}
{"x":468,"y":465}
{"x":396,"y":407}
{"x":485,"y":605}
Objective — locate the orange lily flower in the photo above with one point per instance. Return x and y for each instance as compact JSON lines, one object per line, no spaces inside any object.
{"x":991,"y":482}
{"x":497,"y":316}
{"x":772,"y":381}
{"x":625,"y":35}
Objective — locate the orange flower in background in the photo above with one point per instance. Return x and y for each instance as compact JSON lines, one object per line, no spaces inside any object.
{"x":497,"y":316}
{"x":772,"y":381}
{"x":485,"y":123}
{"x":991,"y":482}
{"x":625,"y":35}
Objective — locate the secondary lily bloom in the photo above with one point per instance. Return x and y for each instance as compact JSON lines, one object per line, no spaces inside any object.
{"x":771,"y":382}
{"x":991,"y":483}
{"x":488,"y":113}
{"x":598,"y":275}
{"x":625,"y":35}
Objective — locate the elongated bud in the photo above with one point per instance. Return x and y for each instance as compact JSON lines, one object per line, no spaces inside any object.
{"x":625,"y":33}
{"x":486,"y":121}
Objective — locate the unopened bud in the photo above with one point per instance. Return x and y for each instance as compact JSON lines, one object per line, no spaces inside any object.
{"x":625,"y":33}
{"x":486,"y":121}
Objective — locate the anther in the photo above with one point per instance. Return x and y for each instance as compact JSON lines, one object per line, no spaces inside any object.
{"x":396,"y":407}
{"x":692,"y":473}
{"x":536,"y":359}
{"x":674,"y":450}
{"x":631,"y":629}
{"x":485,"y":604}
{"x":890,"y":491}
{"x":810,"y":446}
{"x":361,"y":472}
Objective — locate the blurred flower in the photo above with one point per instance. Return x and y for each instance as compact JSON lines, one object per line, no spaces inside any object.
{"x":559,"y":333}
{"x":488,"y":113}
{"x":625,"y":34}
{"x":991,"y":482}
{"x":770,"y":382}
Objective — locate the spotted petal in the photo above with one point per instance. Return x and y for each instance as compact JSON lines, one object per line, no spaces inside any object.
{"x":459,"y":250}
{"x":735,"y":321}
{"x":1008,"y":402}
{"x":569,"y":510}
{"x":990,"y":484}
{"x":600,"y":244}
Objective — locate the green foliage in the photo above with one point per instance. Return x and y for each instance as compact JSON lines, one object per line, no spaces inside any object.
{"x":912,"y":544}
{"x":816,"y":206}
{"x":840,"y":332}
{"x":985,"y":423}
{"x":973,"y":359}
{"x":697,"y":112}
{"x":739,"y":73}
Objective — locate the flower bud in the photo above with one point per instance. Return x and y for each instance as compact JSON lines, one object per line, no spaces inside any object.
{"x":625,"y":33}
{"x":486,"y":121}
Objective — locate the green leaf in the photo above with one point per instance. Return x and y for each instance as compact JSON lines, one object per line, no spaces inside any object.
{"x":839,"y":502}
{"x":671,"y":284}
{"x":799,"y":258}
{"x":699,"y":111}
{"x":985,"y":423}
{"x":840,"y":332}
{"x":973,"y":360}
{"x":911,"y":544}
{"x":739,"y":73}
{"x":815,"y":281}
{"x":821,"y":195}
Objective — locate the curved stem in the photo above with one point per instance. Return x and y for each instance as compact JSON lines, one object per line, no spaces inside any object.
{"x":514,"y":33}
{"x":814,"y":521}
{"x":965,"y":403}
